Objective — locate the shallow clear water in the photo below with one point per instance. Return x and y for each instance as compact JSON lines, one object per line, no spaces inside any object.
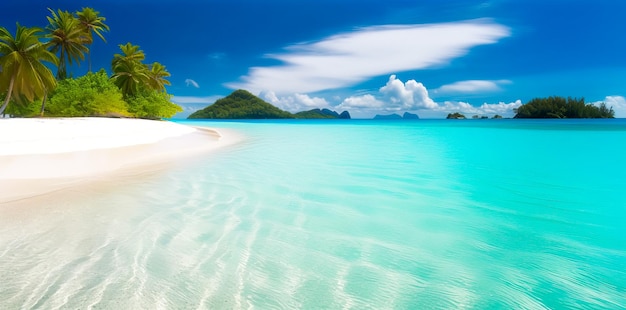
{"x":342,"y":214}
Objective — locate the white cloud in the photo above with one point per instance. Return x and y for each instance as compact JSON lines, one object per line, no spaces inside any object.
{"x":394,"y":96}
{"x":361,"y":102}
{"x":191,"y":82}
{"x":618,"y":103}
{"x":398,"y":97}
{"x":471,"y":86}
{"x":406,"y":96}
{"x":349,"y":58}
{"x":501,"y":108}
{"x":294,"y":103}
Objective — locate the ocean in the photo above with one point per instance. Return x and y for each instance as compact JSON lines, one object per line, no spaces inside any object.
{"x":337,"y":214}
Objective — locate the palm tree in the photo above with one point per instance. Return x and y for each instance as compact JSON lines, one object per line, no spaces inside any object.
{"x":92,"y":23}
{"x":67,"y":37}
{"x":129,"y":73}
{"x":156,"y":77}
{"x":23,"y":75}
{"x":129,"y":53}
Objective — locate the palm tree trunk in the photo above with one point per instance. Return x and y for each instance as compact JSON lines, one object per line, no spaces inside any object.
{"x":8,"y":98}
{"x":89,"y":58}
{"x":61,"y":68}
{"x":43,"y":102}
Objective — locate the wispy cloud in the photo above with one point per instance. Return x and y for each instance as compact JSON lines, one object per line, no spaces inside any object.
{"x":216,"y":56}
{"x":190,"y":82}
{"x":349,"y":58}
{"x":471,"y":87}
{"x":193,"y":99}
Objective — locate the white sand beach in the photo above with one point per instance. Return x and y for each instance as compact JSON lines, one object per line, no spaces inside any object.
{"x":38,"y":156}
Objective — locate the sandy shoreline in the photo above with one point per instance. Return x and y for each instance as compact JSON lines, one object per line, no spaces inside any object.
{"x":39,"y":156}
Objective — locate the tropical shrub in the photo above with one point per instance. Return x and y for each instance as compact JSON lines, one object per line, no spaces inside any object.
{"x":91,"y":95}
{"x":152,"y":104}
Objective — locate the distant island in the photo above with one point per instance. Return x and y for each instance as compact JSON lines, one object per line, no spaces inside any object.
{"x":559,"y":107}
{"x":241,"y":104}
{"x":323,"y":113}
{"x":455,"y":115}
{"x":405,"y":116}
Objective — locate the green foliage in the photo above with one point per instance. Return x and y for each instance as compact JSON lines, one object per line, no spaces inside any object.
{"x":23,"y":76}
{"x":455,"y":115}
{"x":96,"y":95}
{"x":68,"y":37}
{"x":135,"y":89}
{"x":241,"y":105}
{"x":157,"y":75}
{"x":133,"y":77}
{"x":152,"y":104}
{"x":129,"y":72}
{"x":559,"y":107}
{"x":91,"y":95}
{"x":91,"y":22}
{"x":24,"y":109}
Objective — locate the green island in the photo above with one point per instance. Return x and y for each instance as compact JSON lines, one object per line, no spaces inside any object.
{"x":559,"y":107}
{"x":29,"y":88}
{"x":241,"y":104}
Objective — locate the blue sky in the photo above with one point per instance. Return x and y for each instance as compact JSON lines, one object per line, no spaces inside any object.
{"x":368,"y":57}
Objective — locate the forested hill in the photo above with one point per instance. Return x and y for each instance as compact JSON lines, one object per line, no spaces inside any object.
{"x":241,"y":104}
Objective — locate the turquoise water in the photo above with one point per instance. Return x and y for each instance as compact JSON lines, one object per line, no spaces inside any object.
{"x":476,"y":214}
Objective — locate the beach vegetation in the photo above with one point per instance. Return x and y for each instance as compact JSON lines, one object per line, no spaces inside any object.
{"x":152,"y":105}
{"x":68,"y":38}
{"x":93,"y":94}
{"x":131,"y":75}
{"x":23,"y":74}
{"x":560,"y":107}
{"x":129,"y":72}
{"x":157,"y":76}
{"x":91,"y":23}
{"x":143,"y":86}
{"x":22,"y":110}
{"x":133,"y":90}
